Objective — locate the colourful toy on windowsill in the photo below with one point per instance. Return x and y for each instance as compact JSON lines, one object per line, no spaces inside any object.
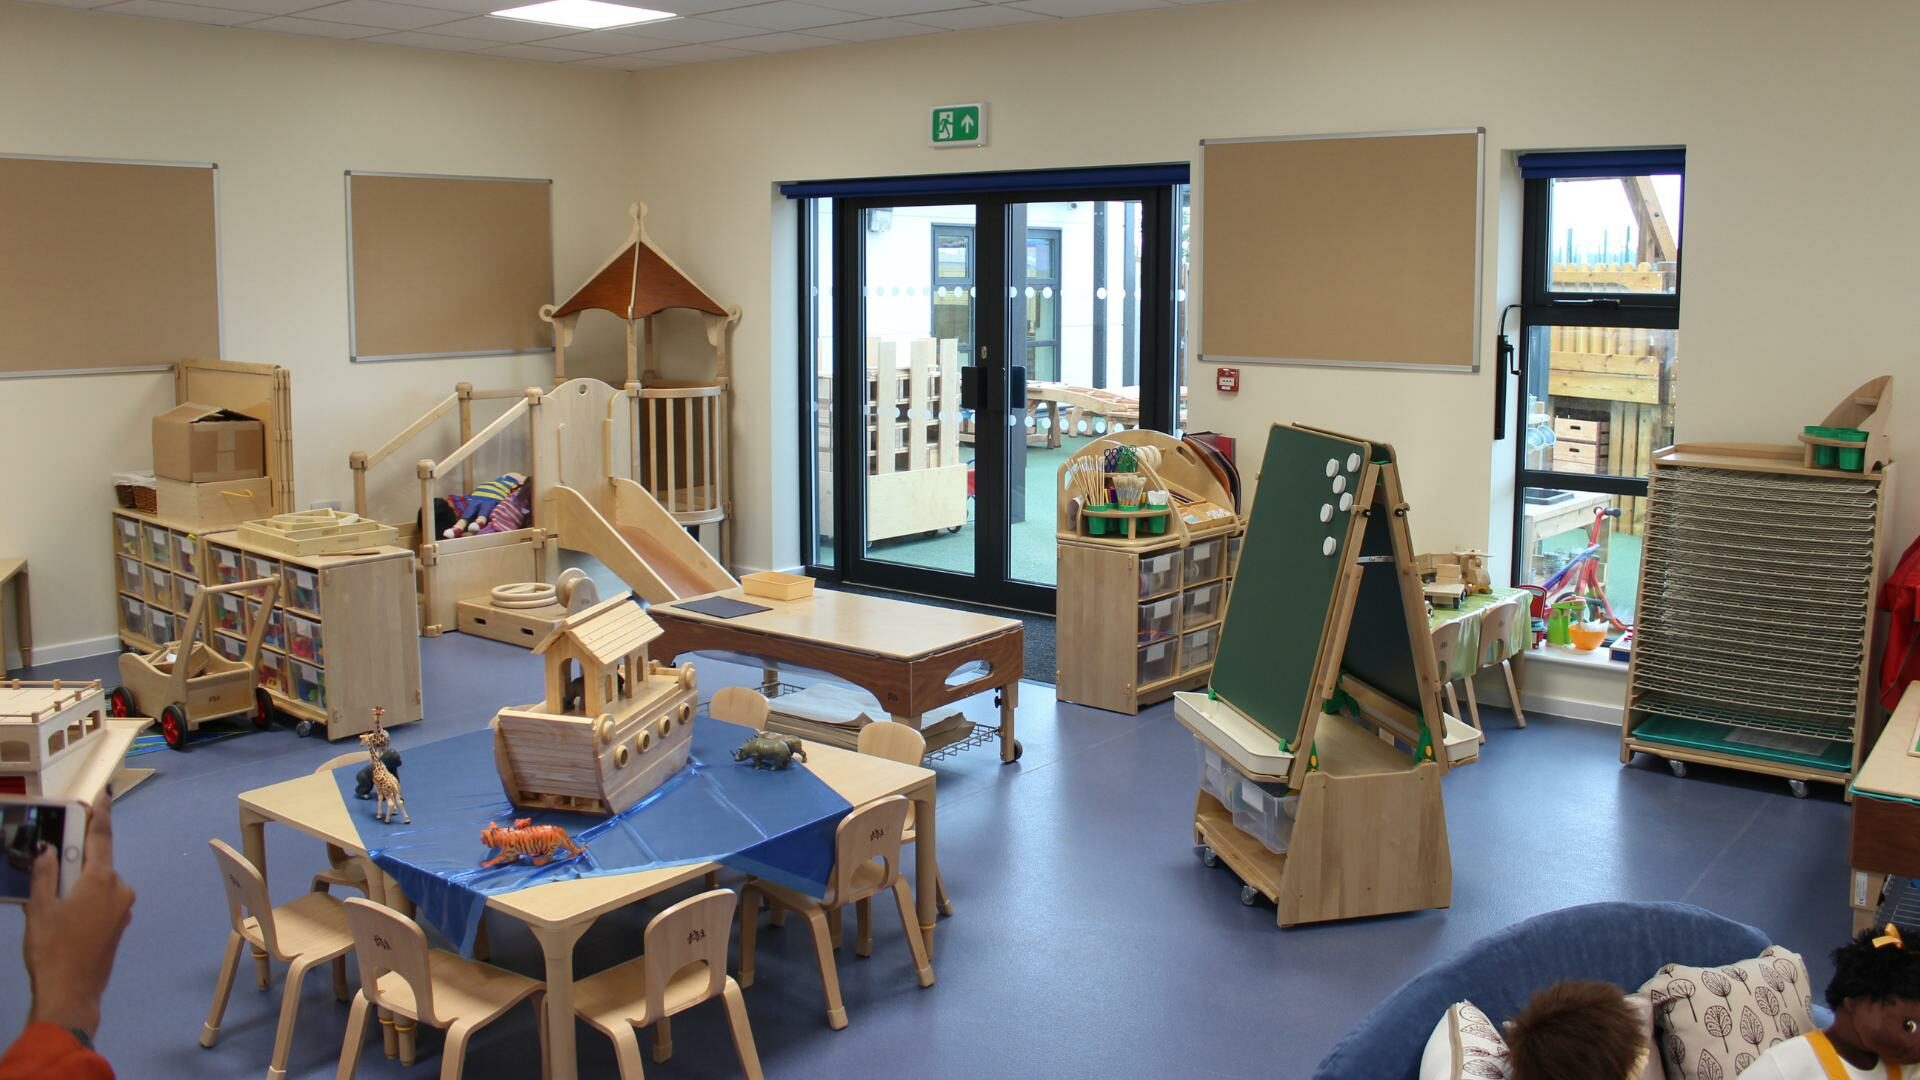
{"x":1561,"y":619}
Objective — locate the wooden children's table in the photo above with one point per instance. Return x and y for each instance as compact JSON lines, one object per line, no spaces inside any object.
{"x":904,"y":654}
{"x":1885,"y":838}
{"x":560,"y":912}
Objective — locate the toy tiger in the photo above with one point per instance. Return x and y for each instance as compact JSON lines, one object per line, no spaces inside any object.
{"x":537,"y":844}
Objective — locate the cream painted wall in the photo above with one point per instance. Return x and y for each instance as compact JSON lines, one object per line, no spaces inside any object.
{"x":1798,"y":221}
{"x":284,"y":117}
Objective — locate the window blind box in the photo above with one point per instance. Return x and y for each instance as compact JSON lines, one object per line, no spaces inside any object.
{"x":201,"y":444}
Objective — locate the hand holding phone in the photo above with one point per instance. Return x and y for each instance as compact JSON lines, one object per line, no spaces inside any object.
{"x":74,"y":924}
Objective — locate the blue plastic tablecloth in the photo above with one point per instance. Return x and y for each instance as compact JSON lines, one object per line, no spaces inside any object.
{"x":777,"y":825}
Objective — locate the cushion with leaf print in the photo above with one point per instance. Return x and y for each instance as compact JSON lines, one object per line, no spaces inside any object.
{"x":1713,"y":1022}
{"x":1465,"y":1045}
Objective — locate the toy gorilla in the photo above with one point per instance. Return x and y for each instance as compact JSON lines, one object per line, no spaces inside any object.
{"x":1875,"y":997}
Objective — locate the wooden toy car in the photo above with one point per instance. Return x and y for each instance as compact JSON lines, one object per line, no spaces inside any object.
{"x":185,"y":683}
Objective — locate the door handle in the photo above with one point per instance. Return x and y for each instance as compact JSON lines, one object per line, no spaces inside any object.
{"x":1016,"y":387}
{"x":970,"y":388}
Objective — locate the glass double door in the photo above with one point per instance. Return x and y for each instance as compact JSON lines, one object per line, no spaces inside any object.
{"x":980,"y":343}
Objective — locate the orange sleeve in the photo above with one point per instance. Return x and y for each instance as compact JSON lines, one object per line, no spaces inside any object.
{"x":46,"y":1051}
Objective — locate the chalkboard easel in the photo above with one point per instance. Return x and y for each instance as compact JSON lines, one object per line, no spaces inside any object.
{"x":1325,"y":692}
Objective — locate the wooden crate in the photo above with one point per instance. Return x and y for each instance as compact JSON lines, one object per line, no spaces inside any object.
{"x":1568,"y":429}
{"x":1577,"y":457}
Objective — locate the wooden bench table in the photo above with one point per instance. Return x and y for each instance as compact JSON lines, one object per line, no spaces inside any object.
{"x":560,"y":912}
{"x":1885,"y":837}
{"x":904,"y":654}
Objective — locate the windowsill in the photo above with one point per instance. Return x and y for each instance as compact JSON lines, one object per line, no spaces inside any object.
{"x":1591,"y":660}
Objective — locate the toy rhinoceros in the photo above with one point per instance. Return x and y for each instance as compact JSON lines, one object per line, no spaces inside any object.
{"x":770,"y":751}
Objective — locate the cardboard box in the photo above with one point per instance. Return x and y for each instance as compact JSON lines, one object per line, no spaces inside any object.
{"x":201,"y":444}
{"x":222,"y":502}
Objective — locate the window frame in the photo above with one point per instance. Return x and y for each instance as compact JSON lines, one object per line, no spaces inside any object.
{"x":1052,"y":238}
{"x":1543,"y":306}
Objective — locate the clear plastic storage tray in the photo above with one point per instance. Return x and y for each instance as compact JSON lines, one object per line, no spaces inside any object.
{"x":1159,"y":573}
{"x":132,"y":578}
{"x":159,"y":546}
{"x":133,"y":616}
{"x":1196,"y":648}
{"x":230,"y":647}
{"x":226,"y":566}
{"x":309,"y":684}
{"x":1203,"y":560}
{"x":1201,"y":606}
{"x":1159,"y":620}
{"x":229,"y":614}
{"x":273,"y":671}
{"x":276,"y":635}
{"x":126,"y":532}
{"x":1262,"y":811}
{"x":304,"y":641}
{"x":303,"y":589}
{"x":257,"y":567}
{"x":1156,"y":663}
{"x":188,"y":590}
{"x":159,"y":626}
{"x":1233,"y":555}
{"x":159,"y":587}
{"x":186,"y":556}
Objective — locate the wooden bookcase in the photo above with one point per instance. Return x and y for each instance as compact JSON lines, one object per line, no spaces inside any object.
{"x":1756,"y":617}
{"x":344,"y":636}
{"x":916,"y":480}
{"x":1140,"y":618}
{"x":157,"y":567}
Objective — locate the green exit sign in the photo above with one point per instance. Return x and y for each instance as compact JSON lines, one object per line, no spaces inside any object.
{"x":959,"y":125}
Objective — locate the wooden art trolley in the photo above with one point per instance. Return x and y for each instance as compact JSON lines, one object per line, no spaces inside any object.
{"x":1322,"y":742}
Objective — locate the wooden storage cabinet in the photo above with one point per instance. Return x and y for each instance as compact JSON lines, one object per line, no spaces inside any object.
{"x":156,"y":571}
{"x":1136,"y":625}
{"x":343,"y":636}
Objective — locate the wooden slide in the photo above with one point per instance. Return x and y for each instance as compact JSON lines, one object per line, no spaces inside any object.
{"x":638,"y":541}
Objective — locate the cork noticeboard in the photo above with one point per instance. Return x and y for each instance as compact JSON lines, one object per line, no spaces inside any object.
{"x":1342,"y":250}
{"x":106,"y":265}
{"x":447,"y":266}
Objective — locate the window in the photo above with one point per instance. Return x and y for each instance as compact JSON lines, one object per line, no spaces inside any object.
{"x":1600,"y":340}
{"x":1043,"y":305}
{"x":953,"y":285}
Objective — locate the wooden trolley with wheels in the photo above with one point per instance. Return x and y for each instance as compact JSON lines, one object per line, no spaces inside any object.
{"x":186,"y":683}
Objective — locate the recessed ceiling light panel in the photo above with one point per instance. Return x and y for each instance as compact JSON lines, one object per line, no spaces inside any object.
{"x":582,"y":14}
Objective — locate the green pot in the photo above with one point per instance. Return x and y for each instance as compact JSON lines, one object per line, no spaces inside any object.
{"x":1823,"y":456}
{"x":1157,"y":525}
{"x":1849,"y":459}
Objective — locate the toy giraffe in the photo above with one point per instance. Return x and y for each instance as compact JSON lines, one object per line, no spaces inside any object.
{"x":386,"y":786}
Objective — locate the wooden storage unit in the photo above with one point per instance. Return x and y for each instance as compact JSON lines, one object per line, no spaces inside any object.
{"x":1755,"y":625}
{"x":157,"y":568}
{"x":345,"y":636}
{"x":916,"y":480}
{"x":1140,"y":618}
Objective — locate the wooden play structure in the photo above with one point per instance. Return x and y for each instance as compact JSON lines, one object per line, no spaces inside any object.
{"x":1322,"y":741}
{"x":186,"y":683}
{"x":681,"y":430}
{"x":1755,"y":628}
{"x":58,"y":741}
{"x":614,"y":726}
{"x":1140,"y":610}
{"x":916,"y":476}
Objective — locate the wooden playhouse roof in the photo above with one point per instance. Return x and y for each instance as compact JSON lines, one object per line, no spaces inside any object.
{"x":606,"y":631}
{"x":638,"y":282}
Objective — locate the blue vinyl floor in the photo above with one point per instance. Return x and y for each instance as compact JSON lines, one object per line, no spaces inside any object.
{"x":1088,"y":940}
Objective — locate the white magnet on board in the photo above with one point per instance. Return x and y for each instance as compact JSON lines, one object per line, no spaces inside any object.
{"x":1339,"y":484}
{"x":1346,"y":501}
{"x":1353,"y":462}
{"x":1326,"y":512}
{"x":1327,"y":546}
{"x":1332,"y":466}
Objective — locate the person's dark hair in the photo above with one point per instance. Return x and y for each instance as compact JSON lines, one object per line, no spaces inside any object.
{"x":1574,"y":1030}
{"x":1862,"y":969}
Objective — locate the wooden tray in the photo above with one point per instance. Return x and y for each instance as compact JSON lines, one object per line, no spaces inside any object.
{"x":777,"y":586}
{"x":317,"y":532}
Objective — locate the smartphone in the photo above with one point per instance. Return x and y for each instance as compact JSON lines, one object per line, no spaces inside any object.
{"x":25,"y":824}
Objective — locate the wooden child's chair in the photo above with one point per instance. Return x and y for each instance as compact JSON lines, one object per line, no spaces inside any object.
{"x":898,"y":742}
{"x":303,"y":934}
{"x":1496,"y":641}
{"x":400,"y":974}
{"x":342,"y":869}
{"x":685,"y":964}
{"x":1446,"y":653}
{"x":866,"y":862}
{"x":739,"y":705}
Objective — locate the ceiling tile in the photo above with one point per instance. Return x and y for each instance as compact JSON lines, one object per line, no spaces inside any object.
{"x":689,"y":54}
{"x":160,"y":9}
{"x":537,"y":52}
{"x":71,"y":3}
{"x":1070,"y":9}
{"x":873,"y":30}
{"x":419,"y":40}
{"x":314,"y":28}
{"x":683,"y":32}
{"x":695,"y":7}
{"x":259,"y":8}
{"x":975,"y":18}
{"x":769,"y":43}
{"x":380,"y":13}
{"x":505,"y":31}
{"x":625,"y":63}
{"x":465,"y":7}
{"x":602,"y":43}
{"x":786,"y":15}
{"x":883,"y":8}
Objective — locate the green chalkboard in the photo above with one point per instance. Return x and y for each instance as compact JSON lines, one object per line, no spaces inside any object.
{"x":1379,"y":648}
{"x":1284,"y":591}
